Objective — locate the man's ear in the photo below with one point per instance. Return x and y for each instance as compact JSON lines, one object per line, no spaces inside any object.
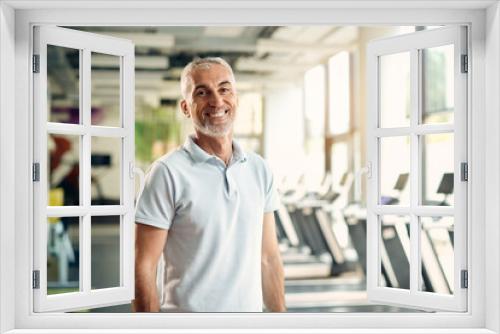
{"x":185,"y":108}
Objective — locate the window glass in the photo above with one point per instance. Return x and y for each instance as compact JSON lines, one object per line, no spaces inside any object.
{"x":437,"y":169}
{"x":438,"y":84}
{"x":394,"y":269}
{"x":63,"y":170}
{"x":394,"y":90}
{"x":105,"y":79}
{"x":394,"y":170}
{"x":340,"y":161}
{"x":63,"y":84}
{"x":63,"y":255}
{"x":437,"y":255}
{"x":314,"y":95}
{"x":106,"y":170}
{"x":314,"y":99}
{"x":249,"y":118}
{"x":339,"y":92}
{"x":105,"y":251}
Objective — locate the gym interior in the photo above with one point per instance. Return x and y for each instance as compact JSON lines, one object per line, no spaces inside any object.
{"x":303,"y":107}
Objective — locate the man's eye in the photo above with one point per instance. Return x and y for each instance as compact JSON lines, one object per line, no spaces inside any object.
{"x":225,"y":90}
{"x":201,"y":93}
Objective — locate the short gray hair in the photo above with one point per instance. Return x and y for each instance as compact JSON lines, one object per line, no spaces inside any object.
{"x":186,"y":72}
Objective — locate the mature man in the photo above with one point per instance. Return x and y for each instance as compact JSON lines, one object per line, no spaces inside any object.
{"x":208,"y":207}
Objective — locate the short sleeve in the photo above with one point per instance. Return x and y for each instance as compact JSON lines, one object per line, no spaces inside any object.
{"x":272,"y":201}
{"x":156,"y":206}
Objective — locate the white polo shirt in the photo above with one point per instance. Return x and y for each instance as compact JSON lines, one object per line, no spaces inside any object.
{"x":214,"y":215}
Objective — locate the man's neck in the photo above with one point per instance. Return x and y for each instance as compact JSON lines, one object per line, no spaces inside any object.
{"x":221,"y":147}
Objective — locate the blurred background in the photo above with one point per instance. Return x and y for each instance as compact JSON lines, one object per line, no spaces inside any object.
{"x":302,"y":107}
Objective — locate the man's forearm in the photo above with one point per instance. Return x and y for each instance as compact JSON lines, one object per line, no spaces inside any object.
{"x":146,"y":296}
{"x":273,"y":284}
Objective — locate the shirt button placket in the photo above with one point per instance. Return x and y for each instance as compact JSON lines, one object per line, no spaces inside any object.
{"x":231,"y":187}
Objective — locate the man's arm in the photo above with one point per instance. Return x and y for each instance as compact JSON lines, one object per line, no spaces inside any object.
{"x":273,"y":285}
{"x":149,"y":244}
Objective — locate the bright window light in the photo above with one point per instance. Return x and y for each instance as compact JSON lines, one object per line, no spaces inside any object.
{"x":339,"y":93}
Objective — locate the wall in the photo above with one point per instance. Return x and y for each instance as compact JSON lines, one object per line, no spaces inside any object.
{"x":492,"y":167}
{"x":7,"y":166}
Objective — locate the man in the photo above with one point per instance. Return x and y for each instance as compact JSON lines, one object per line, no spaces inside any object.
{"x":208,"y":207}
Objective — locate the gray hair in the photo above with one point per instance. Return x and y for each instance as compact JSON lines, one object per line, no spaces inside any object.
{"x":203,"y":62}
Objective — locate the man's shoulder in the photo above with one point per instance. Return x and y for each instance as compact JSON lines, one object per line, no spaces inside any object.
{"x":257,"y":161}
{"x":254,"y":158}
{"x":177,"y":158}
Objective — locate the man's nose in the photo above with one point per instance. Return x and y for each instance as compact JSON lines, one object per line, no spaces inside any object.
{"x":216,"y":100}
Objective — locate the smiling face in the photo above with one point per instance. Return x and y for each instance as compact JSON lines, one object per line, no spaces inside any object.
{"x":211,"y":100}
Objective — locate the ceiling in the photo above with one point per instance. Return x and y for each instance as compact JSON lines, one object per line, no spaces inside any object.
{"x":261,"y":57}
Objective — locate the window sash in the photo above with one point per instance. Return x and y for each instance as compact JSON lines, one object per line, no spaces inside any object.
{"x":86,"y":43}
{"x":413,"y":43}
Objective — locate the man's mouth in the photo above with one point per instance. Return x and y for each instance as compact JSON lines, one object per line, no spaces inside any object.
{"x":216,"y":114}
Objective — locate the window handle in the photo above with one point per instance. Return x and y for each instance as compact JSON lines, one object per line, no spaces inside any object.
{"x":365,"y":170}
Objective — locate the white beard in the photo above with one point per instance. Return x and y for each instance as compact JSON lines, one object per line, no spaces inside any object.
{"x":214,"y":130}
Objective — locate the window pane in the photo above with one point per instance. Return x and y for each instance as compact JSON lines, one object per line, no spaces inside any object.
{"x":438,"y":84}
{"x":395,"y":90}
{"x":339,"y":92}
{"x":314,"y":145}
{"x":394,"y":170}
{"x":395,"y":252}
{"x":63,"y":84}
{"x":314,"y":91}
{"x":63,"y":255}
{"x":105,"y":78}
{"x":436,"y":247}
{"x":106,"y":170}
{"x":437,"y":169}
{"x":340,"y":161}
{"x":105,"y":251}
{"x":249,"y":119}
{"x":63,"y":179}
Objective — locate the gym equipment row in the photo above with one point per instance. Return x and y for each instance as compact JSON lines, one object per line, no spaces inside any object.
{"x":315,"y":261}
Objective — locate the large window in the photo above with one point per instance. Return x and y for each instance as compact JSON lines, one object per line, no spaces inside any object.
{"x":23,"y":304}
{"x":249,"y":125}
{"x":340,"y":142}
{"x":314,"y":120}
{"x":339,"y":73}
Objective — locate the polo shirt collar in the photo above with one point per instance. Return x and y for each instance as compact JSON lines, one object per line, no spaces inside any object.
{"x":199,"y":155}
{"x":238,"y":153}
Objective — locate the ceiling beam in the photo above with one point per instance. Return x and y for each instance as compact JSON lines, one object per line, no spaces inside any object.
{"x":265,"y":45}
{"x":140,"y":39}
{"x":252,"y":64}
{"x":141,"y":62}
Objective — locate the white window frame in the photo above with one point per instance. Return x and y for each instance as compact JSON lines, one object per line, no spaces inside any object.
{"x":16,"y":19}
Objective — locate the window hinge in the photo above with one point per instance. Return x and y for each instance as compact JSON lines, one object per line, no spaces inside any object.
{"x":36,"y":172}
{"x":36,"y":279}
{"x":465,"y":64}
{"x":36,"y":63}
{"x":464,"y":281}
{"x":464,"y":171}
